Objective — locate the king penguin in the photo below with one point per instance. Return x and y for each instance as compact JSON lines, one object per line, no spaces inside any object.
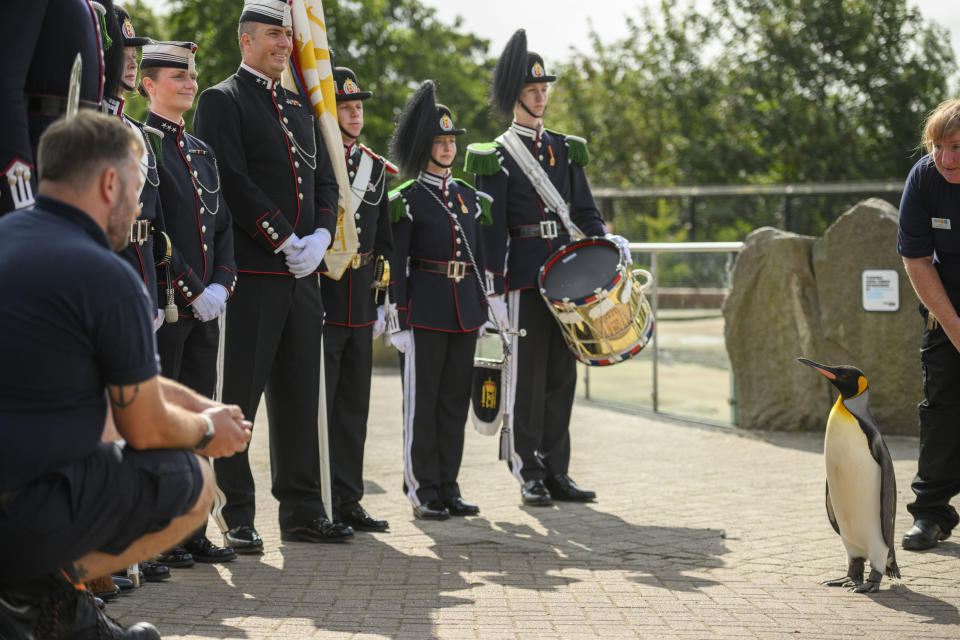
{"x":861,"y":488}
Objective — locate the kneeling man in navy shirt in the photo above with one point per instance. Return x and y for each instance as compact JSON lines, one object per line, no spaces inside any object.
{"x":75,"y":334}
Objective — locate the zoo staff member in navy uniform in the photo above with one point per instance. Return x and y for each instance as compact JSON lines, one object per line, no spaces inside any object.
{"x":524,"y":233}
{"x":79,"y":330}
{"x":282,"y":192}
{"x":120,"y":76}
{"x":203,"y":272}
{"x":39,"y":41}
{"x":930,"y":246}
{"x":436,"y":234}
{"x":348,"y":330}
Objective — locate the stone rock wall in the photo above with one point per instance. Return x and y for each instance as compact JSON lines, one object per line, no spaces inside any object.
{"x":796,"y":296}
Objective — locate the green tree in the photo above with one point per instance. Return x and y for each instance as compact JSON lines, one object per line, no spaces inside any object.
{"x":392,"y":45}
{"x":759,"y":91}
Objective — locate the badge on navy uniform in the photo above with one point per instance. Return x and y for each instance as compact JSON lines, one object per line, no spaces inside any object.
{"x":941,"y":223}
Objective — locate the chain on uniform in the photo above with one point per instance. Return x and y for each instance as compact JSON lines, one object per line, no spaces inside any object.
{"x":381,"y":182}
{"x":200,"y":187}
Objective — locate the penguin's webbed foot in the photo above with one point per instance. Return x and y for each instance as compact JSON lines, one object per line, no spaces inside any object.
{"x":845,"y":581}
{"x":867,"y":587}
{"x":872,"y":585}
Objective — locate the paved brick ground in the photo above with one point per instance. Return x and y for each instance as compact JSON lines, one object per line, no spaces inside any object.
{"x":697,"y":533}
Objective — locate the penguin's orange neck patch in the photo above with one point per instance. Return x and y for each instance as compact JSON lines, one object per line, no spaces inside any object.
{"x":861,"y":385}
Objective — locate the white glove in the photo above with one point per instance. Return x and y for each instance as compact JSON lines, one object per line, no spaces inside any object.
{"x":210,"y":304}
{"x":498,"y":309}
{"x":485,"y":328}
{"x":380,"y":324}
{"x":623,"y":244}
{"x":402,"y":341}
{"x":290,"y":246}
{"x":311,"y":251}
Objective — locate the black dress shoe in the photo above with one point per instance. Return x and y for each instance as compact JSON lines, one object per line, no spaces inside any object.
{"x":123,"y":583}
{"x":433,"y":510}
{"x":563,"y":488}
{"x":153,"y":572}
{"x":924,"y":534}
{"x":460,"y":507}
{"x":320,"y":530}
{"x":178,"y":558}
{"x":107,"y":594}
{"x":358,"y":518}
{"x":203,"y":550}
{"x":535,"y":494}
{"x":243,"y":539}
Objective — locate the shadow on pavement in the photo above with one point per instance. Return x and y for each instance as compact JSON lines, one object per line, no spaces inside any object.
{"x":902,"y":598}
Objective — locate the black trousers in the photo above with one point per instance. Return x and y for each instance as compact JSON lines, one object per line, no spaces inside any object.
{"x":272,"y":347}
{"x":537,"y":443}
{"x":348,"y":357}
{"x":188,"y":354}
{"x":436,"y":400}
{"x":938,"y":467}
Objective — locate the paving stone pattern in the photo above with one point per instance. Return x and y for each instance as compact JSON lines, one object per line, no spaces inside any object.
{"x":697,"y":533}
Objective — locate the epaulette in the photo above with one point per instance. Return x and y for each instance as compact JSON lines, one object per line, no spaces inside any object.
{"x":155,"y":140}
{"x":482,"y":158}
{"x":576,"y":148}
{"x":398,"y":204}
{"x":389,"y":166}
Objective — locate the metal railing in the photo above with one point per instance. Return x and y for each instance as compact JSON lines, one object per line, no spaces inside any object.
{"x":655,"y":249}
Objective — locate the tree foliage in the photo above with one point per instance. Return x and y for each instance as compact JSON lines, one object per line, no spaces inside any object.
{"x":392,"y":45}
{"x":759,"y":91}
{"x":755,"y":92}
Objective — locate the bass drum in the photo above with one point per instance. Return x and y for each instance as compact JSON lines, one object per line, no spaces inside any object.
{"x":598,"y":301}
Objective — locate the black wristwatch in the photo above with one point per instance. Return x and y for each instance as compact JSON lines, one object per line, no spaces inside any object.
{"x":208,"y":436}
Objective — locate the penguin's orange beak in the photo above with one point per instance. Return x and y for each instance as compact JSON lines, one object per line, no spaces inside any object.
{"x":822,"y":368}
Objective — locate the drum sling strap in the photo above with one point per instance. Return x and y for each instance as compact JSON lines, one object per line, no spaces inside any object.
{"x":539,"y":179}
{"x":359,"y":186}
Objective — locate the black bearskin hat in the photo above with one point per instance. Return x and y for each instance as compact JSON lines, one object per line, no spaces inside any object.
{"x":421,"y":121}
{"x":121,"y":33}
{"x":515,"y":68}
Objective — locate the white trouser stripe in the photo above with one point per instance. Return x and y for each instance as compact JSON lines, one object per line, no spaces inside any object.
{"x":510,"y":393}
{"x":219,"y":499}
{"x":409,"y":407}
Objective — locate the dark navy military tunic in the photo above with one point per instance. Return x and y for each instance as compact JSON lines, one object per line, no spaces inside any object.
{"x":348,"y":333}
{"x":516,"y":261}
{"x":349,"y":301}
{"x":197,"y":218}
{"x":39,"y":40}
{"x":425,"y":231}
{"x":260,"y":129}
{"x":140,"y":254}
{"x":537,"y":442}
{"x":278,"y":180}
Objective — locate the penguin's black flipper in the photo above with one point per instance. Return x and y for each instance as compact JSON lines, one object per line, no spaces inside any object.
{"x":888,"y":502}
{"x":830,"y":514}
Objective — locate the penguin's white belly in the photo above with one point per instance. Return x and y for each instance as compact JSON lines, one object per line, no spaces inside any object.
{"x":854,"y":480}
